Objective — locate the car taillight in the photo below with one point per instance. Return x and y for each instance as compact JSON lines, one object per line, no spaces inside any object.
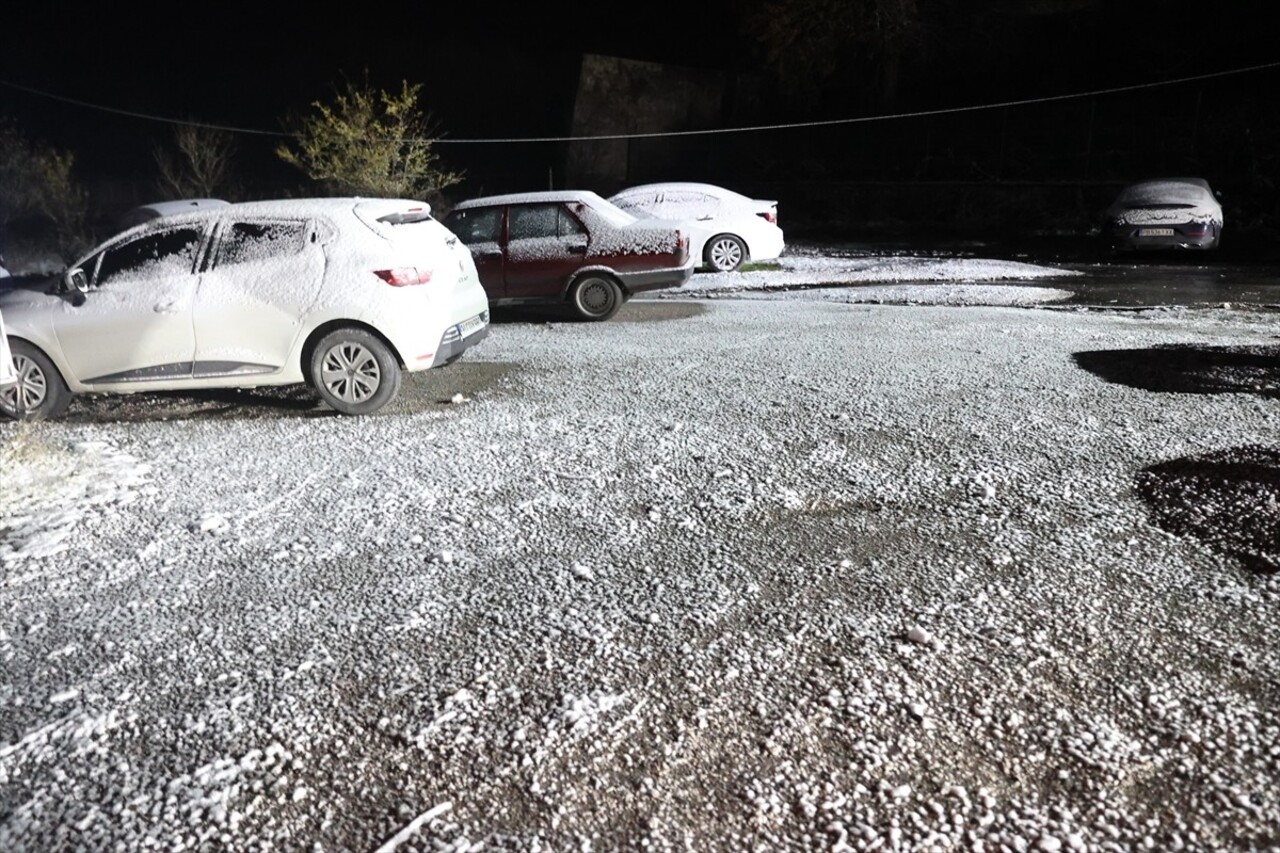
{"x":682,"y":241}
{"x":1195,"y":230}
{"x":404,"y":276}
{"x":770,"y":216}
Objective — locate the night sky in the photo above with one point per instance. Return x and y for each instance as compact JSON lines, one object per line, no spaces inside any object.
{"x":491,"y":70}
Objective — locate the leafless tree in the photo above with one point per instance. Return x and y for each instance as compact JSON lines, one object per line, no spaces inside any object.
{"x":199,"y":164}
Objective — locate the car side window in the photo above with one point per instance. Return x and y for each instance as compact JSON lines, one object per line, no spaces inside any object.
{"x":569,"y":226}
{"x":530,"y":221}
{"x":256,"y":241}
{"x":476,"y":226}
{"x":534,"y":221}
{"x":683,"y":204}
{"x":165,"y":253}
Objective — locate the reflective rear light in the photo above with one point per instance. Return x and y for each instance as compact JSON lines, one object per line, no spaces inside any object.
{"x":770,"y":216}
{"x":404,"y":276}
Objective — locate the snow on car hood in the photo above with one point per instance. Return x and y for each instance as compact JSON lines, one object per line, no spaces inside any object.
{"x":19,"y":293}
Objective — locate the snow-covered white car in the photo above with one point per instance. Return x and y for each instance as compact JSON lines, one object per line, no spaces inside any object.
{"x":727,"y":229}
{"x":343,"y":294}
{"x":569,"y":246}
{"x":8,"y":375}
{"x":1168,"y":213}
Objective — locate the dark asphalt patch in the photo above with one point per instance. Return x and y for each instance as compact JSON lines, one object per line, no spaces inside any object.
{"x":1229,"y":500}
{"x":1189,"y":368}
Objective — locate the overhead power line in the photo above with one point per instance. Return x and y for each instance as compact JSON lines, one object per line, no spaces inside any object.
{"x":132,"y":114}
{"x":1045,"y":99}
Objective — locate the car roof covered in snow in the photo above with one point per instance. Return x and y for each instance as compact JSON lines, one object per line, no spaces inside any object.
{"x":584,"y":196}
{"x":683,"y":186}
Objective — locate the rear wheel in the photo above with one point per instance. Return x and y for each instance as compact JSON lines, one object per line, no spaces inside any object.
{"x":354,"y":372}
{"x":725,"y":253}
{"x":596,"y":297}
{"x":40,"y":393}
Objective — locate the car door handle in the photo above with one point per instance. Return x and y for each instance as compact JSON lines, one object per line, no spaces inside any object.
{"x":577,"y":250}
{"x":489,"y":254}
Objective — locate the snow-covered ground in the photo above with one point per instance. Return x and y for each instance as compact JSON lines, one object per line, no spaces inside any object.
{"x":819,"y":273}
{"x":759,"y":574}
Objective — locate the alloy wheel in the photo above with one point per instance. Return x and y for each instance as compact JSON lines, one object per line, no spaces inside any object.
{"x":350,"y":372}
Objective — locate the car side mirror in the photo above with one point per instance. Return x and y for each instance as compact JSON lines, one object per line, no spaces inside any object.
{"x":74,"y":280}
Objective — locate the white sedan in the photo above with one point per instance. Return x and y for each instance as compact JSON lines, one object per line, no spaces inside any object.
{"x":728,"y":229}
{"x":342,"y":294}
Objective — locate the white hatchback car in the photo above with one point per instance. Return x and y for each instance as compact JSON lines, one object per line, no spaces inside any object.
{"x":727,"y":229}
{"x":342,"y":294}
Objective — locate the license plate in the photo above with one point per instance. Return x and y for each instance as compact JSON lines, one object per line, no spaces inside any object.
{"x":466,"y":327}
{"x":1155,"y":232}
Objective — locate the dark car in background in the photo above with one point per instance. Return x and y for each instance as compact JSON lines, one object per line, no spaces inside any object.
{"x":568,"y":247}
{"x":1167,"y":213}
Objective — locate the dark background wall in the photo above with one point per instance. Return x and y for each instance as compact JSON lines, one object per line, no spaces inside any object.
{"x":96,"y":80}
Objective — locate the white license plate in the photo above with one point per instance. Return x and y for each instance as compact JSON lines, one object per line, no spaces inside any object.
{"x":1155,"y":232}
{"x":466,"y":327}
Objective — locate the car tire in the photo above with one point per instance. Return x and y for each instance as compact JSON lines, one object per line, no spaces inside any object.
{"x":353,"y":371}
{"x":596,"y":297}
{"x":41,"y":394}
{"x":725,"y":253}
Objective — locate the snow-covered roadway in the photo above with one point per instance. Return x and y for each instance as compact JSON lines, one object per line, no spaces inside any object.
{"x":729,"y":574}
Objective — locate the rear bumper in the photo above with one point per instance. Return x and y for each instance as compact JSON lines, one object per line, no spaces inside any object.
{"x":640,"y":282}
{"x":1130,"y":238}
{"x":453,"y":343}
{"x":768,"y":247}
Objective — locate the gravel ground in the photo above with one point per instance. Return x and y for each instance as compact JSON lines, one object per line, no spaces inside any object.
{"x":739,"y":575}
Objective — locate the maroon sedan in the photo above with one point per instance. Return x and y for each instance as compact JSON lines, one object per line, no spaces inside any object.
{"x":570,"y":247}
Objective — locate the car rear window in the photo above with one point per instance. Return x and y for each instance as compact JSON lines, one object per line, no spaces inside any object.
{"x":1165,"y":192}
{"x":479,"y":225}
{"x":394,"y":220}
{"x":610,"y":212}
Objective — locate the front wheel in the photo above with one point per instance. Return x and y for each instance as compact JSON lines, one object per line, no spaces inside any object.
{"x":40,"y":393}
{"x":354,"y":372}
{"x":725,"y":253}
{"x":596,"y":297}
